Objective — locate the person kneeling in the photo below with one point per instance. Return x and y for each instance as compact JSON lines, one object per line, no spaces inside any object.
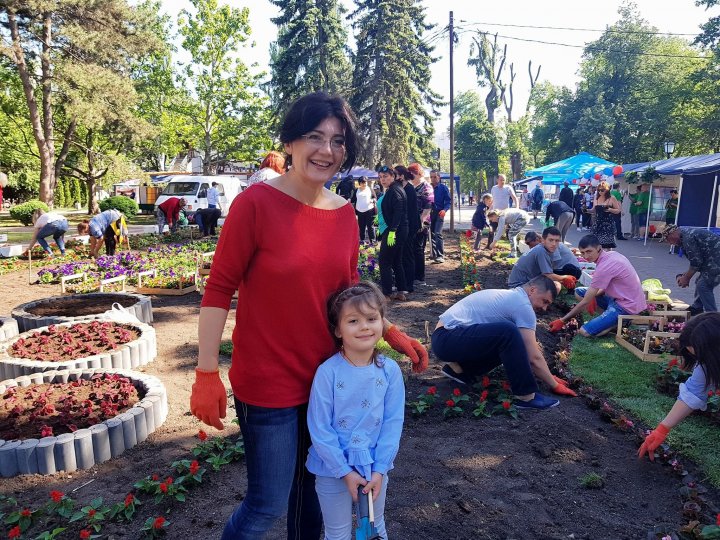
{"x":539,"y":261}
{"x":497,"y":327}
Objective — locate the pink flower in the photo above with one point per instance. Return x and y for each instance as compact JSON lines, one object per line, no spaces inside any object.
{"x":46,"y":431}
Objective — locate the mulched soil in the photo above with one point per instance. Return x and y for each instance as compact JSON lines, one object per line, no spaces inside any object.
{"x":453,"y":479}
{"x":75,"y":307}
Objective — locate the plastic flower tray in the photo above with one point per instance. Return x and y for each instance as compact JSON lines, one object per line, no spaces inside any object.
{"x":85,"y":447}
{"x":127,"y":356}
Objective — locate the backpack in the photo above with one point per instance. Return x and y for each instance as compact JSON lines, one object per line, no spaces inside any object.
{"x":538,"y":195}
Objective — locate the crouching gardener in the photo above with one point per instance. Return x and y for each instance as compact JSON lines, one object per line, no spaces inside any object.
{"x":615,"y":288}
{"x":497,"y":326}
{"x":539,"y":260}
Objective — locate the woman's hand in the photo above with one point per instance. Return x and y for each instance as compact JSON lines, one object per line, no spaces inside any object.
{"x":375,"y":484}
{"x":208,"y":400}
{"x":352,"y":481}
{"x":652,"y":441}
{"x":412,"y":348}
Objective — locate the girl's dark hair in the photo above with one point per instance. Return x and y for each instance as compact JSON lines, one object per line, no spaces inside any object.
{"x":309,"y":111}
{"x":702,"y":333}
{"x":83,"y":227}
{"x":362,"y":294}
{"x":403,"y":173}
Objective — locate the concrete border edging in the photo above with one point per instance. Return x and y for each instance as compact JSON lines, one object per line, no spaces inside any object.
{"x":8,"y":328}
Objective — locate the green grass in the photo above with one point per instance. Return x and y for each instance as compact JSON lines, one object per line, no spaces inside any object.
{"x":629,"y":382}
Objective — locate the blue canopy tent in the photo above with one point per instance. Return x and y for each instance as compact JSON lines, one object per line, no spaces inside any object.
{"x":570,"y":168}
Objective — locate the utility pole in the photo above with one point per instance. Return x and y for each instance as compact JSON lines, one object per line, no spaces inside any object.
{"x":452,"y":129}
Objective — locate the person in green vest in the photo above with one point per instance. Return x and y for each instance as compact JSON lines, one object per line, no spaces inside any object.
{"x":615,"y":192}
{"x":671,"y":207}
{"x":634,"y":213}
{"x":642,"y":203}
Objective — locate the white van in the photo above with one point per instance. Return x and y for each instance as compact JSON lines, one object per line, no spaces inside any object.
{"x":194,"y":188}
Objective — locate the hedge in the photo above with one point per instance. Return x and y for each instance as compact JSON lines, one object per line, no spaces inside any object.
{"x":24,"y":212}
{"x":124,"y":204}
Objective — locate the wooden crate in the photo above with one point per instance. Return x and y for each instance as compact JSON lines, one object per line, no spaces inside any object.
{"x":202,"y":259}
{"x":644,"y":354}
{"x":158,"y":291}
{"x":679,"y":316}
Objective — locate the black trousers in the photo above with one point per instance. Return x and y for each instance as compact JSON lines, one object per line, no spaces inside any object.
{"x":569,"y":270}
{"x":408,"y":262}
{"x":618,"y":226}
{"x":418,"y":250}
{"x":390,"y":260}
{"x":365,"y":223}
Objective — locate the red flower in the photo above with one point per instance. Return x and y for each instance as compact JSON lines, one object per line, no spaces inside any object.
{"x":155,"y":477}
{"x":163,"y":487}
{"x":468,"y":234}
{"x":194,"y":467}
{"x":505,"y":385}
{"x":450,"y":403}
{"x":710,"y":393}
{"x":158,"y":523}
{"x":85,"y":533}
{"x":25,"y":512}
{"x":432,"y":390}
{"x":506,"y":405}
{"x":484,"y":395}
{"x":457,"y":392}
{"x":56,"y":496}
{"x":129,"y":500}
{"x":15,"y":532}
{"x":169,"y":480}
{"x":717,"y":520}
{"x":92,"y":512}
{"x":673,"y":362}
{"x":202,"y":435}
{"x":485,"y":381}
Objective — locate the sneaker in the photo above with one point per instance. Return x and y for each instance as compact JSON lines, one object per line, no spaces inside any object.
{"x":538,"y":403}
{"x":579,"y":229}
{"x":439,"y":260}
{"x":462,"y":378}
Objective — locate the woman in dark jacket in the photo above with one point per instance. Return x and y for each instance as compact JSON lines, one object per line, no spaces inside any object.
{"x":404,"y":176}
{"x":393,"y":228}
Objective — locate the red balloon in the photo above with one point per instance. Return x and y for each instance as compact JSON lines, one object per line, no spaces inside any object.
{"x":598,"y":176}
{"x":652,"y":229}
{"x":575,"y":181}
{"x":617,"y":170}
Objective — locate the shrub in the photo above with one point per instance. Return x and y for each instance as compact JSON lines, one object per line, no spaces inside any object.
{"x":59,"y":195}
{"x":124,"y":204}
{"x":24,"y":212}
{"x":592,"y":481}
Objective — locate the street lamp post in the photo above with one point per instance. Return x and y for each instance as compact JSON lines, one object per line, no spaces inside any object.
{"x":669,"y":147}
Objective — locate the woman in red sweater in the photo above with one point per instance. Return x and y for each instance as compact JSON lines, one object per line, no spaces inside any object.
{"x":286,"y":246}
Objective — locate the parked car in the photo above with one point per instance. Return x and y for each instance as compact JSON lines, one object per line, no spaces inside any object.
{"x":194,"y":190}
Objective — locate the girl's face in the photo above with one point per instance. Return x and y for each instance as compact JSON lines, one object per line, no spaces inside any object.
{"x":359,"y":328}
{"x":318,"y":154}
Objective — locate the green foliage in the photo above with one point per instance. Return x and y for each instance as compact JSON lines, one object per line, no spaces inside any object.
{"x":592,"y":480}
{"x":630,"y":383}
{"x":24,"y":212}
{"x":67,"y":195}
{"x":59,"y":195}
{"x":647,"y":176}
{"x":124,"y":204}
{"x":75,"y":192}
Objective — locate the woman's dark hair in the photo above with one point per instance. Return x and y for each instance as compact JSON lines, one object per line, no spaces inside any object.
{"x":307,"y":112}
{"x":702,"y":333}
{"x":362,"y":295}
{"x":403,"y":173}
{"x":83,"y":227}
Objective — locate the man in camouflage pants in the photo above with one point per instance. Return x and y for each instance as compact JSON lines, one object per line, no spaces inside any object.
{"x":702,"y":249}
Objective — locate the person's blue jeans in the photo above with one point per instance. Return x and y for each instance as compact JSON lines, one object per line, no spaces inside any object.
{"x":479,"y":348}
{"x":57,"y":230}
{"x":609,"y":317}
{"x":276,"y":446}
{"x":436,"y":226}
{"x":705,"y":292}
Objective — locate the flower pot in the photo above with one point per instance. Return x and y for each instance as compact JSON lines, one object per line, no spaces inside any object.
{"x":85,"y":447}
{"x":132,"y":354}
{"x":62,"y":309}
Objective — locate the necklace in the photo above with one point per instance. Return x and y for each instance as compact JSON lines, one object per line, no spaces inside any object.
{"x":342,"y":353}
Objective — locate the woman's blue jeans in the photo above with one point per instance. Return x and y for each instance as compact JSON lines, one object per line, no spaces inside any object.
{"x":57,"y":230}
{"x":276,"y":446}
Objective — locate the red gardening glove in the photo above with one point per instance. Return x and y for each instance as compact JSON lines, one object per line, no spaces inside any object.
{"x":411,"y":348}
{"x":652,"y":441}
{"x":569,"y":282}
{"x":592,"y":306}
{"x":556,"y":325}
{"x":441,"y":214}
{"x":562,"y":390}
{"x":208,"y":400}
{"x":560,"y":380}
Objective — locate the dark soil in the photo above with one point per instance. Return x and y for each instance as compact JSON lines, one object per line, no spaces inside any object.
{"x":75,"y":307}
{"x":60,"y":343}
{"x":41,"y":410}
{"x":456,"y":479}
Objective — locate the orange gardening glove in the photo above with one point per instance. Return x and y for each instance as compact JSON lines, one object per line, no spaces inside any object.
{"x":556,"y":325}
{"x":560,"y":380}
{"x":592,"y":306}
{"x":562,"y":390}
{"x":208,"y":400}
{"x":411,"y":348}
{"x":441,"y":214}
{"x":653,"y":440}
{"x":569,"y":282}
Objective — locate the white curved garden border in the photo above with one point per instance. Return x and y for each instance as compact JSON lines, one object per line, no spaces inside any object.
{"x":8,"y":328}
{"x":142,"y":309}
{"x":127,"y":356}
{"x":85,"y":447}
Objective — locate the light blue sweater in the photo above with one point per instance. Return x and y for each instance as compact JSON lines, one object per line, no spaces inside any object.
{"x":355,"y":417}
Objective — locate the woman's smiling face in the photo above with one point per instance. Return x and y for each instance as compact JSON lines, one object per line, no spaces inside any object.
{"x":314,"y":157}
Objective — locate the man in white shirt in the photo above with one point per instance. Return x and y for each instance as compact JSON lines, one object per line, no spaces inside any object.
{"x":502,"y":194}
{"x":213,"y":196}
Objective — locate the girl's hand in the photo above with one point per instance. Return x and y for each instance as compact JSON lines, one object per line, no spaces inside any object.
{"x":375,"y":483}
{"x":352,"y":481}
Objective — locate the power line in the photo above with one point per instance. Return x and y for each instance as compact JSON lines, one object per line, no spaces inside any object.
{"x":594,"y":48}
{"x":609,"y":30}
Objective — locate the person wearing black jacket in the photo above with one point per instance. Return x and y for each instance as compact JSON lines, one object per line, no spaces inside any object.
{"x":566,"y":195}
{"x":479,"y":221}
{"x":413,"y":216}
{"x":577,"y":206}
{"x":562,"y":215}
{"x":393,"y":225}
{"x":346,"y":187}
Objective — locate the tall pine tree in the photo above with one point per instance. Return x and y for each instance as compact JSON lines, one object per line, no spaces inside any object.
{"x":309,"y":54}
{"x":391,"y":81}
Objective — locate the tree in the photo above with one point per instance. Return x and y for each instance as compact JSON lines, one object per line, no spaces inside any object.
{"x":489,"y":62}
{"x":58,"y":48}
{"x":391,"y":80}
{"x":309,"y":54}
{"x":710,"y":36}
{"x":228,"y":114}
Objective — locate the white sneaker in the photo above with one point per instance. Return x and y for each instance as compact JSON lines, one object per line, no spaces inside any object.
{"x":579,"y":229}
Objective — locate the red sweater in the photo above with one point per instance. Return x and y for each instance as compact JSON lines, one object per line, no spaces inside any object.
{"x":171,"y":209}
{"x":285,"y":259}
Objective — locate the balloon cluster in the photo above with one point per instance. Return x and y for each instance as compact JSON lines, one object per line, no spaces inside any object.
{"x":607,"y":171}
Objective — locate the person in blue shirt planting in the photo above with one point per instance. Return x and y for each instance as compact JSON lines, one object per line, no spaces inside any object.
{"x":700,"y":347}
{"x":356,"y":411}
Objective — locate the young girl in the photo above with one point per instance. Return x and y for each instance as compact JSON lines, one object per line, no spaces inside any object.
{"x":700,"y":347}
{"x":356,"y":409}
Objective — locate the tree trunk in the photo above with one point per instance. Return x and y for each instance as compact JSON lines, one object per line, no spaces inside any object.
{"x":92,"y":204}
{"x":516,"y":165}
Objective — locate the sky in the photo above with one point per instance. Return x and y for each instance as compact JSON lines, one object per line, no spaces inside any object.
{"x":559,"y":63}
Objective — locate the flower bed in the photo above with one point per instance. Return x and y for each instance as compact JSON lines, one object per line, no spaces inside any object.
{"x":368,"y":267}
{"x":170,"y":283}
{"x":468,"y":265}
{"x":80,"y":417}
{"x":78,"y":346}
{"x":8,"y":328}
{"x":57,"y":310}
